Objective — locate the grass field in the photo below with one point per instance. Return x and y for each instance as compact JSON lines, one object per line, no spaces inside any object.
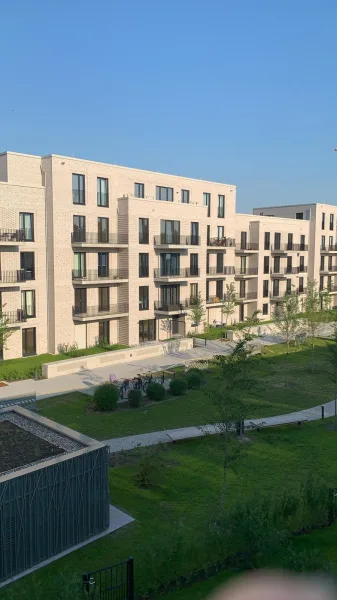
{"x":304,"y":389}
{"x":188,"y":492}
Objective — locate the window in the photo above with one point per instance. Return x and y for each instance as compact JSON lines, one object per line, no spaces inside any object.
{"x":185,"y":196}
{"x":27,"y":264}
{"x":170,"y":295}
{"x":194,"y":233}
{"x":300,"y":285}
{"x":194,"y":264}
{"x":265,"y":288}
{"x":299,"y":215}
{"x":207,"y":263}
{"x":139,"y":190}
{"x":164,"y":193}
{"x":219,"y":262}
{"x":28,"y":303}
{"x":323,"y":220}
{"x":29,"y":341}
{"x":289,"y":264}
{"x":265,"y":309}
{"x":207,"y":202}
{"x":144,"y":297}
{"x":143,"y":231}
{"x":276,"y":287}
{"x":301,"y":263}
{"x":207,"y":289}
{"x":322,"y":263}
{"x":78,"y":228}
{"x":243,"y":265}
{"x":221,"y":206}
{"x":170,"y":232}
{"x":143,"y":264}
{"x":267,"y":240}
{"x":221,"y":232}
{"x":26,"y":224}
{"x":193,"y":291}
{"x":103,"y":230}
{"x":104,"y":331}
{"x":321,"y":283}
{"x":79,"y":265}
{"x":208,"y":235}
{"x":80,"y":301}
{"x":277,"y":264}
{"x":103,"y":264}
{"x":323,"y":242}
{"x":277,"y":241}
{"x":219,"y":289}
{"x":266,"y":265}
{"x":331,"y":222}
{"x":330,"y":263}
{"x":288,"y":286}
{"x":329,"y":285}
{"x":102,"y":191}
{"x":78,"y":189}
{"x":242,"y":288}
{"x":290,"y":241}
{"x":243,"y":240}
{"x":103,"y":298}
{"x":147,"y":331}
{"x":302,"y":242}
{"x":330,"y":241}
{"x":170,"y":264}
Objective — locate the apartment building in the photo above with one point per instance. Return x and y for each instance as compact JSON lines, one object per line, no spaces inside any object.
{"x":92,"y":251}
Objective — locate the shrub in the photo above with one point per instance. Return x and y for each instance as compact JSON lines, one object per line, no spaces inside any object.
{"x":150,"y":467}
{"x":178,"y":386}
{"x":106,"y":397}
{"x":193,"y":379}
{"x":13,"y":375}
{"x":135,"y":398}
{"x":155,"y":392}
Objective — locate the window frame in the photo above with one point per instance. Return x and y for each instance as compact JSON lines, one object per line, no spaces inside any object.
{"x":99,"y":192}
{"x":31,"y":229}
{"x":183,"y":192}
{"x":143,"y":266}
{"x":141,"y":187}
{"x":146,"y":221}
{"x":147,"y":297}
{"x":221,"y":208}
{"x":80,"y":177}
{"x":207,"y":202}
{"x":24,"y":335}
{"x":162,"y":190}
{"x":24,"y":303}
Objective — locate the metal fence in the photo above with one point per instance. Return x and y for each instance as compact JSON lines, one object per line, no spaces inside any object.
{"x":28,"y":401}
{"x":111,"y":583}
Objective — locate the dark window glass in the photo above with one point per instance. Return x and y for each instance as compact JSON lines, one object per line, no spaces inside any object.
{"x":29,"y":341}
{"x":144,"y":297}
{"x":243,"y":240}
{"x":288,"y":286}
{"x":26,"y":223}
{"x":219,"y":289}
{"x":193,"y":291}
{"x":266,"y":265}
{"x":27,"y":264}
{"x":300,"y":284}
{"x":103,"y":298}
{"x":104,"y":331}
{"x":323,"y":242}
{"x":143,"y":231}
{"x":331,"y":222}
{"x":194,"y":233}
{"x":221,"y":232}
{"x":243,"y":265}
{"x":169,"y":232}
{"x":289,"y":264}
{"x":302,"y":242}
{"x":207,"y":202}
{"x":321,"y":283}
{"x":103,"y":230}
{"x":164,"y":193}
{"x":265,"y":288}
{"x":221,"y":206}
{"x":290,"y":241}
{"x":276,"y":287}
{"x":322,"y":263}
{"x":170,"y":295}
{"x":208,"y":234}
{"x":265,"y":309}
{"x":194,"y":264}
{"x":299,"y":215}
{"x":276,"y":264}
{"x":78,"y":189}
{"x":79,"y":228}
{"x":185,"y":196}
{"x":323,"y":220}
{"x":330,"y":241}
{"x":147,"y":331}
{"x":139,"y":190}
{"x":28,"y":303}
{"x":267,"y":240}
{"x":277,"y":241}
{"x":80,"y":300}
{"x":143,"y":264}
{"x":169,"y":264}
{"x":79,"y":264}
{"x":219,"y":262}
{"x":102,"y":191}
{"x":330,"y":263}
{"x":103,"y":264}
{"x":242,"y":288}
{"x":301,"y":263}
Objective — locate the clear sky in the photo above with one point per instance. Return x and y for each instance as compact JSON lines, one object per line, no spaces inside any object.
{"x":239,"y":91}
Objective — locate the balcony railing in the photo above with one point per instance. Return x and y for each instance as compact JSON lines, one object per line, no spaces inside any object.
{"x":288,"y":271}
{"x":224,"y":271}
{"x":176,"y":240}
{"x":100,"y":311}
{"x":174,"y":307}
{"x":246,"y":296}
{"x":215,"y":300}
{"x":247,"y":246}
{"x":12,"y":276}
{"x":246,"y":272}
{"x":14,"y":316}
{"x":224,"y":242}
{"x":296,"y":247}
{"x":277,"y":295}
{"x":330,"y":248}
{"x":85,"y":237}
{"x":14,"y":235}
{"x":100,"y":274}
{"x":331,"y":269}
{"x":181,"y":273}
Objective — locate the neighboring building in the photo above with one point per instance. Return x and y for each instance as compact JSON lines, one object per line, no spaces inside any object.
{"x":91,"y":251}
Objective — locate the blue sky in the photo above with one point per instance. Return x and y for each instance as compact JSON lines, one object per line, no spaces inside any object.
{"x":239,"y":91}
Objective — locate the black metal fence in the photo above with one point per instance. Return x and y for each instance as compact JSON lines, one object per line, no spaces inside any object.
{"x":111,"y":583}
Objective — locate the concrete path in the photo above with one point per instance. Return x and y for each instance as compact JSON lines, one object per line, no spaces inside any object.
{"x":186,"y":433}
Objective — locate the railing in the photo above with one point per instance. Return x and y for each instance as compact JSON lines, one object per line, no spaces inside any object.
{"x":222,"y":242}
{"x":93,"y":275}
{"x":288,"y":271}
{"x":174,"y":307}
{"x":247,"y":271}
{"x":279,"y":248}
{"x":281,"y":295}
{"x":176,"y":240}
{"x":224,"y":271}
{"x":215,"y":300}
{"x":297,"y":247}
{"x":13,"y":235}
{"x":247,"y":296}
{"x":159,"y":274}
{"x":14,"y":316}
{"x":12,"y":276}
{"x":330,"y":248}
{"x":331,"y":269}
{"x":301,"y":291}
{"x":247,"y":246}
{"x":79,"y":237}
{"x":97,"y":311}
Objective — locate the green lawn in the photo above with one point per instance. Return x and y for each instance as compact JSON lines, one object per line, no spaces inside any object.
{"x":188,"y":493}
{"x":304,"y":389}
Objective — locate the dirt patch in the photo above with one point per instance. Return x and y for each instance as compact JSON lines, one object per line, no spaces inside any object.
{"x":3,"y":384}
{"x":19,"y":447}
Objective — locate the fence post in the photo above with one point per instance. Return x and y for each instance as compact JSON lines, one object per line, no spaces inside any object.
{"x":130,"y":579}
{"x":322,"y":407}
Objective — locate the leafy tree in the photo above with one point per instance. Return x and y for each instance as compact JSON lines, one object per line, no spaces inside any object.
{"x":286,"y":320}
{"x":313,"y":320}
{"x":197,"y":311}
{"x":5,"y":331}
{"x":326,"y":297}
{"x":228,"y":307}
{"x":166,"y":326}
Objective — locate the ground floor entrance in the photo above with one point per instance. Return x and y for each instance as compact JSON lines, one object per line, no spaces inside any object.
{"x":147,"y":330}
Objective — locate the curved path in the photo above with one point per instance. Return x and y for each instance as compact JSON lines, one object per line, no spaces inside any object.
{"x":186,"y":433}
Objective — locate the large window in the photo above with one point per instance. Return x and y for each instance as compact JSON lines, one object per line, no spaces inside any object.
{"x":243,"y":240}
{"x":266,"y":265}
{"x":102,"y":191}
{"x":301,"y":285}
{"x":323,"y":220}
{"x":78,"y":228}
{"x":27,"y":264}
{"x":323,"y":242}
{"x":28,"y":303}
{"x":194,"y":233}
{"x":330,"y":241}
{"x":221,"y":232}
{"x":289,"y":264}
{"x":301,"y":264}
{"x":26,"y":224}
{"x":103,"y":230}
{"x":331,"y":222}
{"x":207,"y":202}
{"x":139,"y":190}
{"x":194,"y":264}
{"x":277,"y":241}
{"x":103,"y":264}
{"x":219,"y":289}
{"x":299,"y":215}
{"x":104,"y":332}
{"x":147,"y":331}
{"x":143,"y":231}
{"x":185,"y":196}
{"x":170,"y":232}
{"x":164,"y":193}
{"x":221,"y":206}
{"x":302,"y":242}
{"x":143,"y":264}
{"x":322,"y":263}
{"x":78,"y":189}
{"x":103,"y":298}
{"x":276,"y":287}
{"x":29,"y":341}
{"x":144,"y":297}
{"x":267,"y":240}
{"x":219,"y":262}
{"x":169,"y":264}
{"x":193,"y":291}
{"x":288,"y":286}
{"x":290,"y":241}
{"x":80,"y":300}
{"x":170,"y":295}
{"x":242,"y":288}
{"x":265,"y":288}
{"x":265,"y":309}
{"x":277,"y":264}
{"x":80,"y":264}
{"x":243,"y":265}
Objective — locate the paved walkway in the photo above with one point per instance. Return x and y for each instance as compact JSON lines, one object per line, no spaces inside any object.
{"x":186,"y":433}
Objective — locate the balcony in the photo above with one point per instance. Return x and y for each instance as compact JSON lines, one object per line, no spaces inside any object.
{"x":170,"y":241}
{"x":11,"y":237}
{"x":10,"y":278}
{"x":103,"y":276}
{"x":215,"y":300}
{"x":332,"y":290}
{"x":296,"y":247}
{"x":176,"y":274}
{"x":247,"y":248}
{"x":83,"y":239}
{"x":14,"y":317}
{"x":246,"y":297}
{"x":277,"y":296}
{"x":97,"y":313}
{"x":330,"y":248}
{"x":331,"y":269}
{"x":279,"y":248}
{"x":248,"y":272}
{"x":224,"y":242}
{"x":220,"y":273}
{"x":174,"y":308}
{"x":287,"y":271}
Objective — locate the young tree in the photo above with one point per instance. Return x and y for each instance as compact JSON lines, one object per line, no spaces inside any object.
{"x":228,"y":307}
{"x":5,"y":331}
{"x":326,"y":298}
{"x":287,"y":323}
{"x":313,"y":318}
{"x":166,"y":326}
{"x":197,"y":311}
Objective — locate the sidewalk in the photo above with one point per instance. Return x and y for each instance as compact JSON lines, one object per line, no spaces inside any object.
{"x":187,"y":433}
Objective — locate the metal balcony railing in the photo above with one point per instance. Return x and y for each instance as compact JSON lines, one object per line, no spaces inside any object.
{"x":176,"y":240}
{"x":174,"y":307}
{"x":288,"y":271}
{"x":246,"y":296}
{"x":99,"y":311}
{"x":85,"y":237}
{"x":329,"y":269}
{"x":296,"y":247}
{"x":13,"y":235}
{"x":329,"y":248}
{"x":245,"y":272}
{"x":224,"y":271}
{"x":14,"y":316}
{"x":100,"y":274}
{"x":12,"y":276}
{"x":247,"y":246}
{"x":224,"y":242}
{"x":215,"y":299}
{"x":181,"y":273}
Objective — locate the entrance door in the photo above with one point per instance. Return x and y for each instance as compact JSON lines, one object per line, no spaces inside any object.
{"x":147,"y":330}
